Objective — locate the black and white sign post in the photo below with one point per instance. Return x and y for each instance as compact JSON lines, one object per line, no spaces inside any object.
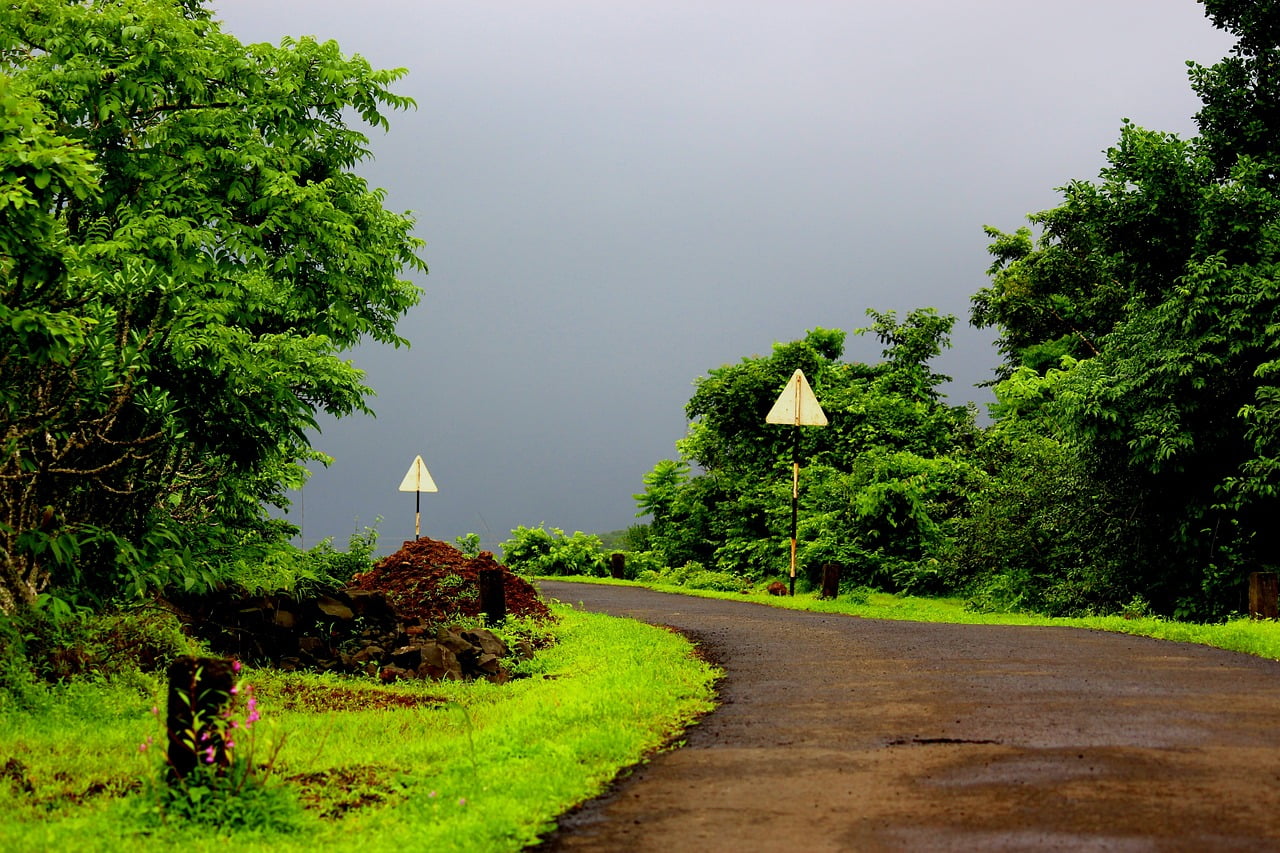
{"x":418,"y":480}
{"x":797,"y":406}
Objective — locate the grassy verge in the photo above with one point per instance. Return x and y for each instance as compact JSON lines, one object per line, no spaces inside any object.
{"x":1260,"y":638}
{"x":472,"y":767}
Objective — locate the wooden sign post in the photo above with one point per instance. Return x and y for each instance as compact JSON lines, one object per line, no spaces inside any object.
{"x":418,"y":480}
{"x":798,"y":406}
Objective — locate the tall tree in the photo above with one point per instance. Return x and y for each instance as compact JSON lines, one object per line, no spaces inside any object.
{"x":870,"y":481}
{"x":1169,"y":268}
{"x":191,"y":253}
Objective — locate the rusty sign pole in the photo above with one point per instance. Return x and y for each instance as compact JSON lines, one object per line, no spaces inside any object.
{"x":418,"y":480}
{"x":797,"y":406}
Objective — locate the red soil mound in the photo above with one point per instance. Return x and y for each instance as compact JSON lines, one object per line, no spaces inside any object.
{"x":432,"y":580}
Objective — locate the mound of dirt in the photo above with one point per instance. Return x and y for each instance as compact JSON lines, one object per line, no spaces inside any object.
{"x":433,"y":581}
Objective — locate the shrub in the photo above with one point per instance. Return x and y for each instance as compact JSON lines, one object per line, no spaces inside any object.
{"x":694,"y":576}
{"x":642,"y":562}
{"x":44,"y":647}
{"x":537,"y":551}
{"x":282,"y":567}
{"x":718,"y":581}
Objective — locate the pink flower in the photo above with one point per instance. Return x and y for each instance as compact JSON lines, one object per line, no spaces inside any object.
{"x":208,"y":755}
{"x":235,"y":666}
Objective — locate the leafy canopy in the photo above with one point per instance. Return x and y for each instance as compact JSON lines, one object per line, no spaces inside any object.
{"x":1162,"y":280}
{"x":185,"y":253}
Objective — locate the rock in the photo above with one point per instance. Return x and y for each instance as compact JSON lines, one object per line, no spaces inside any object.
{"x":400,"y":605}
{"x":407,"y":657}
{"x":311,"y":645}
{"x":394,"y":673}
{"x":439,"y":662}
{"x":451,"y":638}
{"x":370,"y":605}
{"x":331,"y":606}
{"x":368,"y":653}
{"x":487,"y":642}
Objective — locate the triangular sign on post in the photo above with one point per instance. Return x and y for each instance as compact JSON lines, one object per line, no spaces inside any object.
{"x":797,"y":405}
{"x":418,"y":479}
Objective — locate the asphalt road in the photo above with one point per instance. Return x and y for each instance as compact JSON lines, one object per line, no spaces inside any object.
{"x":840,"y":733}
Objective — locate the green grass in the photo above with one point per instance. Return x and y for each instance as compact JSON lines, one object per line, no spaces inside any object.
{"x":478,"y":767}
{"x":1254,"y":637}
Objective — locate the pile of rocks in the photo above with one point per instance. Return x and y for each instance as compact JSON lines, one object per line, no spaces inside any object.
{"x":452,"y":654}
{"x":393,"y":622}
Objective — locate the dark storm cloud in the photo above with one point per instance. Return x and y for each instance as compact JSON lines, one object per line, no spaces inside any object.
{"x":619,"y":196}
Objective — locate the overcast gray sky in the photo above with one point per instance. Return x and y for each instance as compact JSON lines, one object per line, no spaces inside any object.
{"x":618,"y":196}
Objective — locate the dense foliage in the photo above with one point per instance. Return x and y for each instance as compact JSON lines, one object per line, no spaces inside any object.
{"x":1134,"y":458}
{"x":1160,"y":283}
{"x":879,"y":484}
{"x":185,"y":253}
{"x":536,"y":551}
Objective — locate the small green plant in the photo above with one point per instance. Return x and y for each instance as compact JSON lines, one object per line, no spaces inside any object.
{"x":227,"y":786}
{"x":51,"y":645}
{"x":1137,"y":608}
{"x":469,"y":544}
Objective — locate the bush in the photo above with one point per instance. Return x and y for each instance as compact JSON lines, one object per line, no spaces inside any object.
{"x":693,"y":576}
{"x":642,"y":562}
{"x":38,"y":646}
{"x":535,"y":551}
{"x":1046,"y":536}
{"x":282,"y":567}
{"x":718,"y":581}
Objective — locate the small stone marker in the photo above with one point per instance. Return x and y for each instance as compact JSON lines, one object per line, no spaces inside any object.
{"x":1264,"y":590}
{"x":493,"y":596}
{"x":830,"y":580}
{"x":199,"y":691}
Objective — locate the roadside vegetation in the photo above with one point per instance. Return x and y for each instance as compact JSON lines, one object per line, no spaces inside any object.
{"x":1250,"y":636}
{"x":443,"y":766}
{"x":1132,"y":461}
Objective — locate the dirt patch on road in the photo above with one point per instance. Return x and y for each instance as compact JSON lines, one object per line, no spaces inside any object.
{"x":857,"y":734}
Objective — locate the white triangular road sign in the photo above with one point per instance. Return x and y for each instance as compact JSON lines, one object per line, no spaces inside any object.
{"x":797,"y":405}
{"x":418,"y":479}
